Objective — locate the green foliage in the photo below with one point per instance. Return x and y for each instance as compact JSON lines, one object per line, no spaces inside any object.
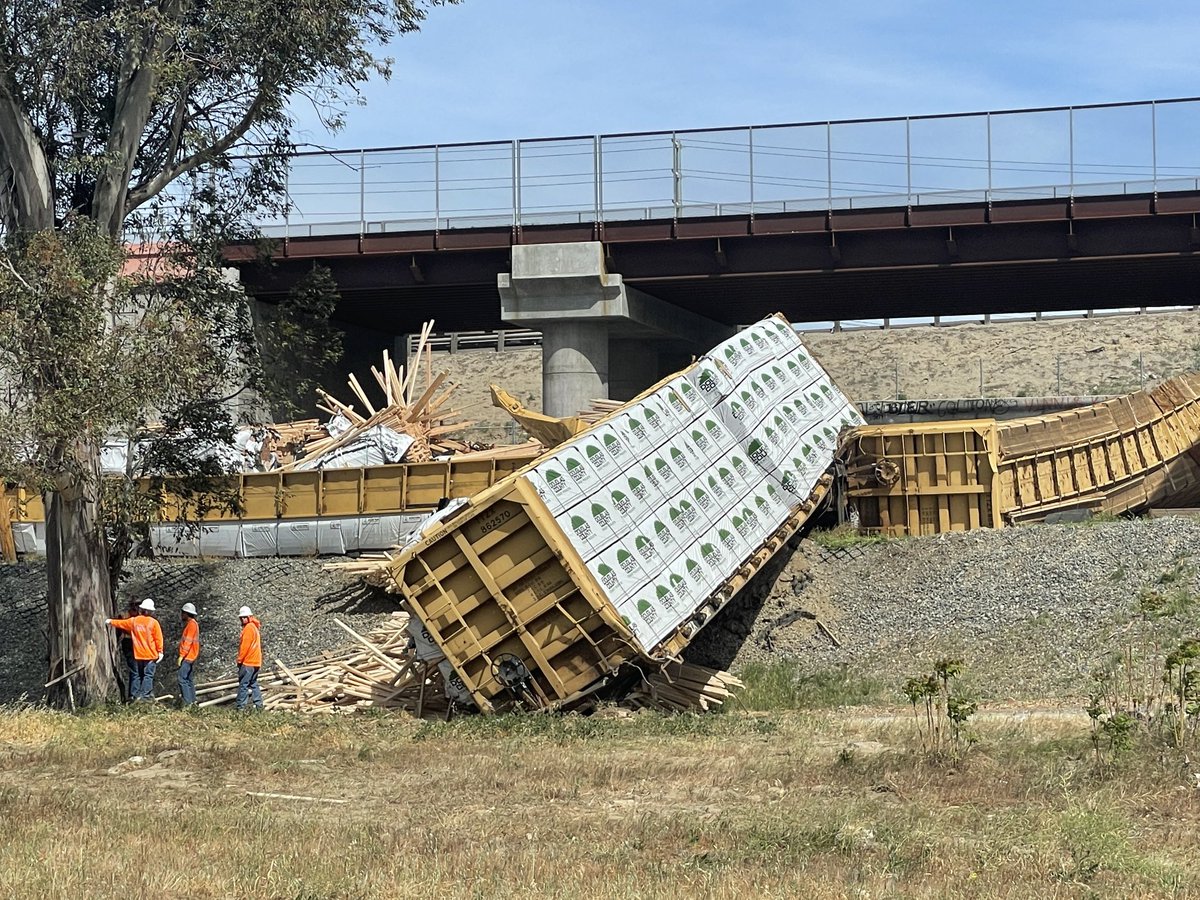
{"x":846,"y":536}
{"x":1149,"y":689}
{"x":786,"y":685}
{"x":942,"y":715}
{"x":299,"y":343}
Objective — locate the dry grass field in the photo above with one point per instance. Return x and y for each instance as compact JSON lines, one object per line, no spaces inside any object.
{"x":828,"y":802}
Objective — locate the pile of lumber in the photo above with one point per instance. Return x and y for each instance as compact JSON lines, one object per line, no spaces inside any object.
{"x":598,"y":408}
{"x":414,"y":403}
{"x":683,"y":687}
{"x":376,"y":670}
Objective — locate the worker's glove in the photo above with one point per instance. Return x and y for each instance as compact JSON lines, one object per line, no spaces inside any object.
{"x":179,"y":662}
{"x":159,"y":658}
{"x":108,"y":621}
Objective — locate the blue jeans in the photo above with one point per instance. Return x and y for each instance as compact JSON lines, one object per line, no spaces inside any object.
{"x":248,"y":685}
{"x":141,"y":679}
{"x":187,"y":687}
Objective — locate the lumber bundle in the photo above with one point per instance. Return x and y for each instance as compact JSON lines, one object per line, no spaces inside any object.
{"x":683,"y":687}
{"x":598,"y":408}
{"x":376,"y":670}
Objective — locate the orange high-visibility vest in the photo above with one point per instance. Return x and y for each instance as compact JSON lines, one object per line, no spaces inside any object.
{"x":146,"y":633}
{"x":189,"y":644}
{"x":250,"y":651}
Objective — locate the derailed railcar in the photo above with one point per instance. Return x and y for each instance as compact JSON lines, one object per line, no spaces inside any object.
{"x":614,"y":549}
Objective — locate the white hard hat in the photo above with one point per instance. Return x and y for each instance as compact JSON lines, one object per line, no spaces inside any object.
{"x":189,"y":608}
{"x":147,"y":605}
{"x":244,"y":612}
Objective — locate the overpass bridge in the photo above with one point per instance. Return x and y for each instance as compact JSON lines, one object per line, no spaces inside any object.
{"x":1034,"y":210}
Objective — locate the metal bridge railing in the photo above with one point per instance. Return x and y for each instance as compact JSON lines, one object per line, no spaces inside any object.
{"x":1118,"y":148}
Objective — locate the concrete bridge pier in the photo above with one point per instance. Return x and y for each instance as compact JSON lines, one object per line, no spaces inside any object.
{"x":600,"y":337}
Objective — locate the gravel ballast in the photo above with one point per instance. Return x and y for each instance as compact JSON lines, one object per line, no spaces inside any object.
{"x":1032,"y":611}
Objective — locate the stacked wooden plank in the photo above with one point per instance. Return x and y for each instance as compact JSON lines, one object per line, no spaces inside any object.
{"x":599,"y":408}
{"x":683,"y":687}
{"x":376,"y":670}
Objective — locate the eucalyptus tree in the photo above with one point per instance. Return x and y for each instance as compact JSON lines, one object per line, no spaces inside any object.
{"x":122,"y":120}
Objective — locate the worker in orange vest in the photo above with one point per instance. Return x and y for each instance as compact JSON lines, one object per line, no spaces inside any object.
{"x":147,"y":648}
{"x":249,"y":660}
{"x":189,"y":650}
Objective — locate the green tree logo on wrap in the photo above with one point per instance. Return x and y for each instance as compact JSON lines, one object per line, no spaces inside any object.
{"x":780,"y":378}
{"x":651,"y":478}
{"x":771,"y":384}
{"x":714,"y":429}
{"x":556,"y":482}
{"x":772,"y":437}
{"x":613,"y":446}
{"x":645,"y":548}
{"x":679,"y":459}
{"x":789,"y":482}
{"x":750,"y":516}
{"x":743,"y":528}
{"x":727,"y":477}
{"x":653,"y":419}
{"x":702,"y":499}
{"x":621,"y":503}
{"x":690,"y":397}
{"x":757,"y":450}
{"x":608,"y":578}
{"x":714,"y":487}
{"x":596,"y":456}
{"x":601,"y":516}
{"x":827,"y":391}
{"x":801,"y":406}
{"x":736,"y":410}
{"x":663,"y":534}
{"x":626,"y":561}
{"x":678,"y":585}
{"x":708,"y":382}
{"x":782,"y":425}
{"x":797,"y":372}
{"x":732,"y":356}
{"x":764,"y":508}
{"x":803,"y":359}
{"x":638,"y":430}
{"x":808,"y":457}
{"x":582,"y":529}
{"x":700,"y":440}
{"x":830,"y":435}
{"x":712,"y":556}
{"x":758,"y":390}
{"x":774,"y":494}
{"x":747,"y":349}
{"x":663,"y":470}
{"x":688,"y":512}
{"x":693,"y":569}
{"x":676,"y":402}
{"x":648,"y":613}
{"x":675,"y":514}
{"x":576,"y":471}
{"x":817,"y":400}
{"x":637,"y":489}
{"x":728,"y":540}
{"x":760,"y":342}
{"x":740,"y":466}
{"x":666,"y":597}
{"x":749,"y":400}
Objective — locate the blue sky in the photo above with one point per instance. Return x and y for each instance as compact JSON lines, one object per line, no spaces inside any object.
{"x":502,"y":69}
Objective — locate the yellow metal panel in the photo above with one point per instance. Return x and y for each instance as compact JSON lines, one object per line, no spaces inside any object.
{"x":300,"y":495}
{"x":341,"y":492}
{"x":427,"y":484}
{"x":260,"y":496}
{"x":383,"y":488}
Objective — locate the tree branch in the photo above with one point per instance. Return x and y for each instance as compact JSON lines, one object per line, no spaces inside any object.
{"x":152,"y":187}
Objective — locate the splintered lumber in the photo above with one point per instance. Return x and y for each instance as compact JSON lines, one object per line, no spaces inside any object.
{"x":425,"y":417}
{"x":377,"y":671}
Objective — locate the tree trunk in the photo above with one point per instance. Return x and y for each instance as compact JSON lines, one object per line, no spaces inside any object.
{"x":79,"y":595}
